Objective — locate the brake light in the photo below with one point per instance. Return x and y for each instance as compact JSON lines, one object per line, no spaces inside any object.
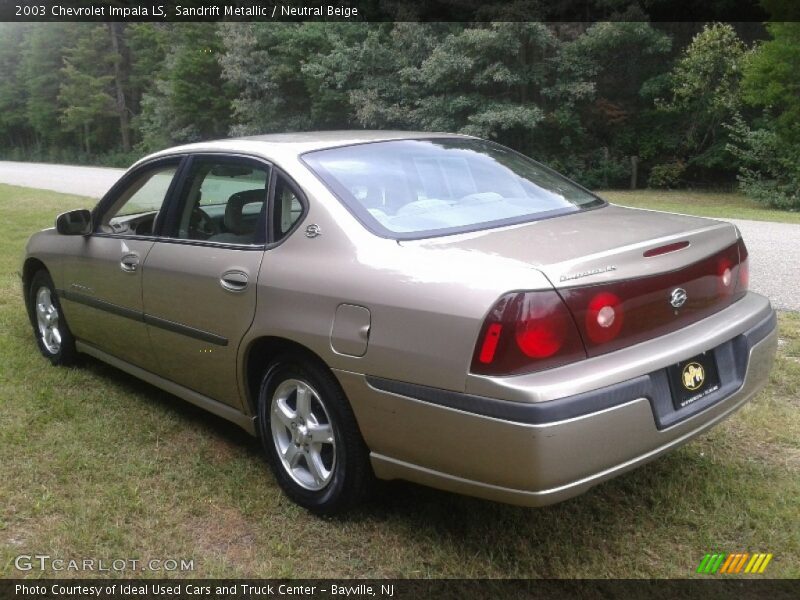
{"x":524,"y":332}
{"x":666,"y":249}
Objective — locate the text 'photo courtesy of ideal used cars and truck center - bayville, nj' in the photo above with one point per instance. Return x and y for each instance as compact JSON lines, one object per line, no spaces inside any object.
{"x":399,"y":299}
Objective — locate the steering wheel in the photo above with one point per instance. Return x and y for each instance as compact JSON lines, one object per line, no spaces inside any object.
{"x":201,"y":225}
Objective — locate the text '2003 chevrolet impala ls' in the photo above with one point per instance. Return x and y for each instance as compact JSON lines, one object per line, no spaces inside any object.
{"x":428,"y":307}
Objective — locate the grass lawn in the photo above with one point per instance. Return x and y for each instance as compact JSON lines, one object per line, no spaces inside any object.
{"x":97,"y":464}
{"x":703,"y":204}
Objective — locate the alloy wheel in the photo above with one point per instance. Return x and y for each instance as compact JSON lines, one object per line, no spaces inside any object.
{"x":302,"y":432}
{"x":47,"y":321}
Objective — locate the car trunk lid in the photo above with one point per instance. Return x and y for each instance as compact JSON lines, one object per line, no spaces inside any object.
{"x":625,"y":274}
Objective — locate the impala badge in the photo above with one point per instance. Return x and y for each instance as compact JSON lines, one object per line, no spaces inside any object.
{"x":678,"y":297}
{"x":313,"y":230}
{"x":589,"y":273}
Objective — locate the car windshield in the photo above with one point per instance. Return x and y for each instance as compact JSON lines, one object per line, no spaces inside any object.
{"x":421,"y":188}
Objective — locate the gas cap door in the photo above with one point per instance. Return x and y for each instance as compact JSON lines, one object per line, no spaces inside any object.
{"x":350,"y":331}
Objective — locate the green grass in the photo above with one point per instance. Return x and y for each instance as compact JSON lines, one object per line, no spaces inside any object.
{"x":97,"y":464}
{"x":703,"y":204}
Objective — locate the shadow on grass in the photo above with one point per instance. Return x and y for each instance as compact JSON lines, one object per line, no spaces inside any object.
{"x":207,"y":422}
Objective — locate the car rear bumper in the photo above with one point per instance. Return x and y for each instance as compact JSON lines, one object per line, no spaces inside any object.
{"x":538,"y":452}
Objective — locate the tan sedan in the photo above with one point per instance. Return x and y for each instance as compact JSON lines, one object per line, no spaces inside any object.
{"x":428,"y":307}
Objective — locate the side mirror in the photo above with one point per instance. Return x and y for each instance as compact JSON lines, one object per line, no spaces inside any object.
{"x":74,"y":222}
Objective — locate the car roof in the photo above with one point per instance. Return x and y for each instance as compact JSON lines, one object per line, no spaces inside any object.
{"x":285,"y":145}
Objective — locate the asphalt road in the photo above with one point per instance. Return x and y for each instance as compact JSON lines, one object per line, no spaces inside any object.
{"x":774,"y":247}
{"x":82,"y":181}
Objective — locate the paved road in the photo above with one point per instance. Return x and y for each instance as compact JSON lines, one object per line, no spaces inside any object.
{"x":774,"y":260}
{"x":774,"y":247}
{"x":82,"y":181}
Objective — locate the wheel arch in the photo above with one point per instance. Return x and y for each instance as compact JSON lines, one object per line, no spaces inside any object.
{"x":262,"y":351}
{"x":31,"y":266}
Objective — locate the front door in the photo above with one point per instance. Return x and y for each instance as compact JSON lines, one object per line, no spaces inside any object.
{"x":199,"y":281}
{"x":103,"y":275}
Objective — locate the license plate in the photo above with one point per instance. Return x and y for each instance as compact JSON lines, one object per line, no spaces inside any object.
{"x":693,"y":379}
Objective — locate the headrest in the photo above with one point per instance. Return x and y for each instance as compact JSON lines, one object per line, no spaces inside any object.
{"x":233,"y":211}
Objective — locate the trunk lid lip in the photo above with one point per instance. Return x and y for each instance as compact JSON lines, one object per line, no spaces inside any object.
{"x":598,"y":248}
{"x":562,"y":274}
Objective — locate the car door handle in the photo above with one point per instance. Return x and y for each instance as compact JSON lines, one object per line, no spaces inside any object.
{"x":234,"y":281}
{"x":129,"y":263}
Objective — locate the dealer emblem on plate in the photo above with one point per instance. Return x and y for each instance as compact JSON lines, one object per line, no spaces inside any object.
{"x":693,"y":376}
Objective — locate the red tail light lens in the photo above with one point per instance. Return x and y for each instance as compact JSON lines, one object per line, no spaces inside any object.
{"x":524,"y":332}
{"x":622,"y":313}
{"x":744,"y":268}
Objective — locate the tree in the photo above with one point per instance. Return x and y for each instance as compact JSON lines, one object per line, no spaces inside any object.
{"x":771,"y":79}
{"x":148,"y":44}
{"x":14,"y":127}
{"x":769,"y":149}
{"x":272,"y":66}
{"x":599,"y":111}
{"x":484,"y":80}
{"x":189,"y":100}
{"x":121,"y":71}
{"x":41,"y":61}
{"x":705,"y":94}
{"x":86,"y":92}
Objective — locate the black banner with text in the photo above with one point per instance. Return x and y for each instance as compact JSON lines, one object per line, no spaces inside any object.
{"x":198,"y":589}
{"x":398,"y":10}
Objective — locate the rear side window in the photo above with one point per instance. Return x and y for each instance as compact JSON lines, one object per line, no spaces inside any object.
{"x":408,"y":189}
{"x":287,"y":210}
{"x":224,"y":201}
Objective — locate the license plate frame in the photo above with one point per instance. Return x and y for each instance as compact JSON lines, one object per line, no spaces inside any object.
{"x":693,"y":379}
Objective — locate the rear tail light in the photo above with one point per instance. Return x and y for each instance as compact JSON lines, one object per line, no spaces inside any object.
{"x":744,"y":268}
{"x":531,"y":331}
{"x":621,"y":313}
{"x":524,"y":332}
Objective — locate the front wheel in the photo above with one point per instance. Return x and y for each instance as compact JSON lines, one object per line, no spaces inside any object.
{"x":311,"y":438}
{"x":53,"y":336}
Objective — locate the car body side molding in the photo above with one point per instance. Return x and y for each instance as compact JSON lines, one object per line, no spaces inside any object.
{"x":198,"y":334}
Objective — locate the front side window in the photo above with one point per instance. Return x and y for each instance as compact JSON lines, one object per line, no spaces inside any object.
{"x":135,"y":210}
{"x":421,"y":188}
{"x":224,"y":201}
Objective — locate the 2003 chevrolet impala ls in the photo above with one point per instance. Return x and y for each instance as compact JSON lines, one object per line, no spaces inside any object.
{"x":428,"y":307}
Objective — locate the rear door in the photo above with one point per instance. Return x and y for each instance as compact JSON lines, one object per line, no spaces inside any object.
{"x":103,"y":272}
{"x":199,"y":280}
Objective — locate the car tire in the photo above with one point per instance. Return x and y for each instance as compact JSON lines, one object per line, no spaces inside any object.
{"x":311,"y":438}
{"x":50,"y":327}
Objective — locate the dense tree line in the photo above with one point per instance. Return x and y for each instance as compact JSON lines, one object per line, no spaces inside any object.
{"x":613,"y":104}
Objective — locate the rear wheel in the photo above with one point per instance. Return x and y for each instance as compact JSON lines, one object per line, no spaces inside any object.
{"x":311,"y":438}
{"x":53,"y":336}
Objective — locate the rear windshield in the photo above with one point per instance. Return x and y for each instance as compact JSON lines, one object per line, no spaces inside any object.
{"x":410,"y":189}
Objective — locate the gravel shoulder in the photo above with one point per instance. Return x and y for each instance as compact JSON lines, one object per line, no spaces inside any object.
{"x":774,"y":269}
